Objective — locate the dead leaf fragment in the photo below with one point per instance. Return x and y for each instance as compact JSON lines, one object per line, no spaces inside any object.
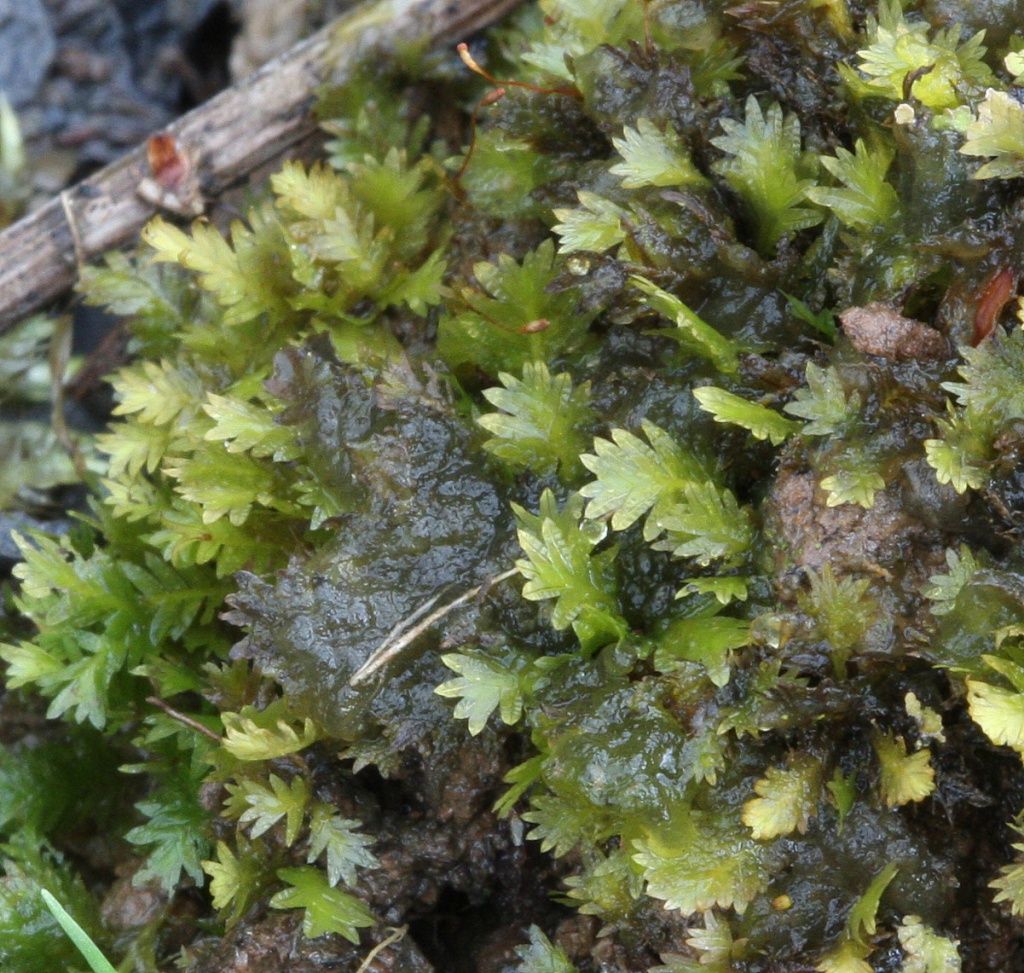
{"x":173,"y":183}
{"x":993,"y":295}
{"x":878,"y":330}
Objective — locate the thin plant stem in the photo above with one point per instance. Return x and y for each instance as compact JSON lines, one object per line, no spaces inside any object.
{"x":390,"y":648}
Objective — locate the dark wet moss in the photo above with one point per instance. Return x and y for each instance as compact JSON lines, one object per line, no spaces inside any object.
{"x":752,"y":655}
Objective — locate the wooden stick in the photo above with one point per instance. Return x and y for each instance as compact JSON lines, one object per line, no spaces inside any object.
{"x":230,"y":136}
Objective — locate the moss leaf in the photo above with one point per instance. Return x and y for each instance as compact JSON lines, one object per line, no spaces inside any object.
{"x":925,"y":951}
{"x":706,"y":862}
{"x":651,"y":157}
{"x":757,"y":419}
{"x":634,"y":478}
{"x":997,"y":133}
{"x":560,"y":565}
{"x":824,"y":404}
{"x":999,"y":712}
{"x":787,"y":798}
{"x":484,"y":685}
{"x":905,"y":777}
{"x":865,"y":200}
{"x":542,"y":955}
{"x":336,"y":837}
{"x":261,"y":807}
{"x":251,"y":735}
{"x":326,"y":909}
{"x":763,"y":165}
{"x":542,"y":423}
{"x":593,"y":226}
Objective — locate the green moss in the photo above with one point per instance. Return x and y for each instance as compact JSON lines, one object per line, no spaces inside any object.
{"x":697,"y":570}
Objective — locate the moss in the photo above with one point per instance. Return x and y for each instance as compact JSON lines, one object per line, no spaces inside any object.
{"x":727,"y":590}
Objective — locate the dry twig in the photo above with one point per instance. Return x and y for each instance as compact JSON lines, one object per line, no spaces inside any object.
{"x":402,"y":635}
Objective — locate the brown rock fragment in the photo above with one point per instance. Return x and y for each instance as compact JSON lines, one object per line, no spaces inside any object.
{"x":878,"y":330}
{"x":128,"y":906}
{"x":810,"y":534}
{"x":888,"y":544}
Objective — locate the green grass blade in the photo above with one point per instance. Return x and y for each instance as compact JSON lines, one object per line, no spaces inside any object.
{"x":96,"y":960}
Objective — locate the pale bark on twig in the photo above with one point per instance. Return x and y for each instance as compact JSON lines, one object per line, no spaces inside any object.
{"x":229,"y":137}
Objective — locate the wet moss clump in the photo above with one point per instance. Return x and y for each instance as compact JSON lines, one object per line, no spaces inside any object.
{"x":582,"y":525}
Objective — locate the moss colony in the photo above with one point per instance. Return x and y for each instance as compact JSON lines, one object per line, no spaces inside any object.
{"x":597,"y":549}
